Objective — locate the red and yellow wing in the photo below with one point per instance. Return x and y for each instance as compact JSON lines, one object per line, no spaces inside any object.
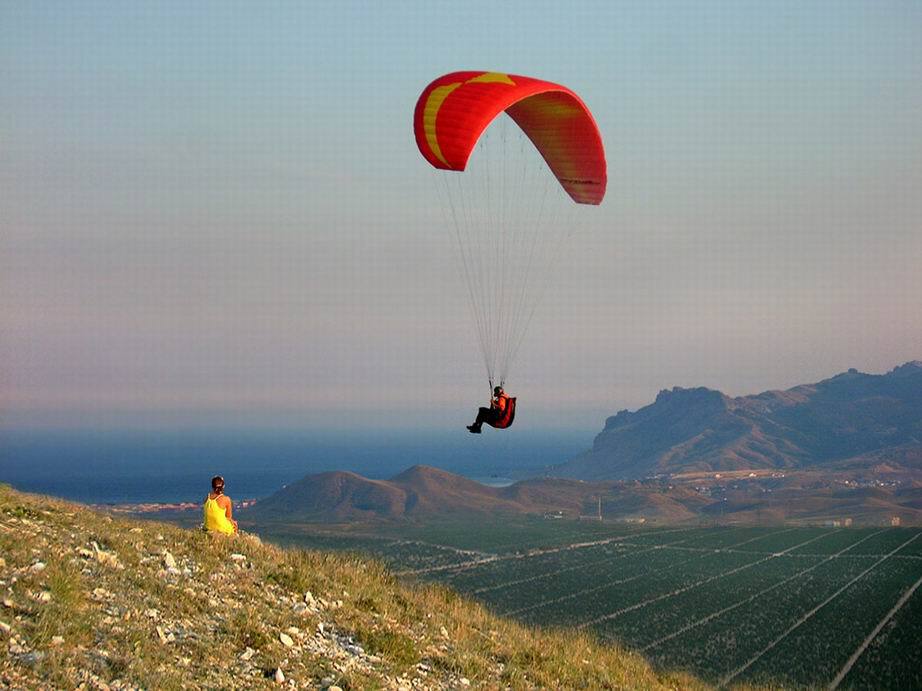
{"x":455,"y":109}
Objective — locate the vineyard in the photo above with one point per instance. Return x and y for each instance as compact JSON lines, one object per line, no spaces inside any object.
{"x":782,"y":605}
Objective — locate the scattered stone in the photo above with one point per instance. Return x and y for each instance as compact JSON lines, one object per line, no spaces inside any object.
{"x":57,"y":640}
{"x":16,"y":648}
{"x":169,"y":561}
{"x":106,"y":558}
{"x":5,"y":628}
{"x":309,"y":597}
{"x":334,"y":688}
{"x":238,"y":557}
{"x":293,"y":630}
{"x":286,"y":640}
{"x":31,"y":658}
{"x":44,"y":596}
{"x":247,"y":654}
{"x":8,"y":603}
{"x":464,"y":681}
{"x":152,"y":614}
{"x":443,"y":632}
{"x":279,"y":676}
{"x":37,"y":567}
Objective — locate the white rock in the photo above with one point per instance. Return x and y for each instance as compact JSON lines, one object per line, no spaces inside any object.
{"x":286,"y":640}
{"x":152,"y":614}
{"x":465,"y":681}
{"x":293,"y":630}
{"x":309,"y":597}
{"x":247,"y":654}
{"x":44,"y":596}
{"x":57,"y":640}
{"x":169,"y":561}
{"x":334,"y":688}
{"x":5,"y":628}
{"x":238,"y":557}
{"x":37,"y":567}
{"x":443,"y":632}
{"x":279,"y":676}
{"x":8,"y":603}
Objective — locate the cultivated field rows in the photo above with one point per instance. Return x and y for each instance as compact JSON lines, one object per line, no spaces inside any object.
{"x":796,"y":606}
{"x":776,"y":605}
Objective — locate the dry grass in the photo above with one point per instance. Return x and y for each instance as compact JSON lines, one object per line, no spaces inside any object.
{"x":111,"y":622}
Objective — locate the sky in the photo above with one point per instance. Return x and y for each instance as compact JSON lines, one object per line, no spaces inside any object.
{"x":216,"y":212}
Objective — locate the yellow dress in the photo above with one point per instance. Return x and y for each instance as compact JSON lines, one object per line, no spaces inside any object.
{"x":216,"y":519}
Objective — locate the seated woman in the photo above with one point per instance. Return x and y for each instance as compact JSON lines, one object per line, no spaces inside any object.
{"x":218,"y":509}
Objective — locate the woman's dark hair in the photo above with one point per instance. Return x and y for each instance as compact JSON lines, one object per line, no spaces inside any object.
{"x":217,"y":484}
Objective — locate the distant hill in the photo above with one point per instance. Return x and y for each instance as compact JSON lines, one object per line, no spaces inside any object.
{"x":849,"y":421}
{"x":421,"y":492}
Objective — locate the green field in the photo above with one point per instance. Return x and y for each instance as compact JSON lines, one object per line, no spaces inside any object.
{"x":780,"y":605}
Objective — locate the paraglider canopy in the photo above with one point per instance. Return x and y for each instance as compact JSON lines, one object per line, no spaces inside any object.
{"x":455,"y":109}
{"x":510,"y":205}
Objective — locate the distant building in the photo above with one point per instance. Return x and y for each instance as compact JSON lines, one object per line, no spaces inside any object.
{"x":847,"y":523}
{"x":832,"y":524}
{"x":894,"y":520}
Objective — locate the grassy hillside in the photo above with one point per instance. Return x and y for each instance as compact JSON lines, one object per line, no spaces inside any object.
{"x":113,"y":603}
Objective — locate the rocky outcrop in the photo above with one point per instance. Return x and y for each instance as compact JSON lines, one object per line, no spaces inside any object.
{"x":839,"y":420}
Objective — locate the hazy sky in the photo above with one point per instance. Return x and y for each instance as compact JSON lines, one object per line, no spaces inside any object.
{"x":216,"y":210}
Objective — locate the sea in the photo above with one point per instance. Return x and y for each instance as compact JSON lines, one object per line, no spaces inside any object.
{"x":121,"y":466}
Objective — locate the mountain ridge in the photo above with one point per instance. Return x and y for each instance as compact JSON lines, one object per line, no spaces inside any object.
{"x":832,"y":421}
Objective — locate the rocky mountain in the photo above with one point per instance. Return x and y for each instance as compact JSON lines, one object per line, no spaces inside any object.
{"x":848,"y":421}
{"x":93,"y":601}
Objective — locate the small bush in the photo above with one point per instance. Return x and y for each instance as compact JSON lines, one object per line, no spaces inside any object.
{"x":394,"y":647}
